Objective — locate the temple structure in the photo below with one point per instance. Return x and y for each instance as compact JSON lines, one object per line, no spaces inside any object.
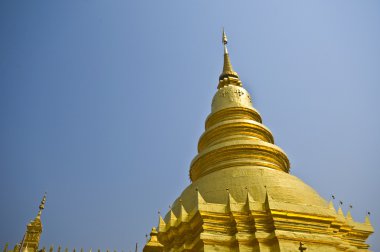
{"x":31,"y":239}
{"x":242,"y":197}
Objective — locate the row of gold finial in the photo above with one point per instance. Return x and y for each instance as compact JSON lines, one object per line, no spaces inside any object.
{"x":232,"y":205}
{"x":51,"y":249}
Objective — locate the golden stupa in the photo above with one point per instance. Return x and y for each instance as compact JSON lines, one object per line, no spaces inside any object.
{"x":31,"y":239}
{"x":242,"y":197}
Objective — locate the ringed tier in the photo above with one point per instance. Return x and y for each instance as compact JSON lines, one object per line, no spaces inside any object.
{"x":235,"y":136}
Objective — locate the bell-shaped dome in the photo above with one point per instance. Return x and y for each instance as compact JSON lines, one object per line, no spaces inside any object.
{"x":229,"y":97}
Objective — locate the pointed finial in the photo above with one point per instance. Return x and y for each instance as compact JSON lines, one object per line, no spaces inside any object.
{"x":248,"y":200}
{"x":367,"y":221}
{"x":224,"y":41}
{"x":183,"y":213}
{"x":42,"y":206}
{"x":331,"y":205}
{"x":230,"y":199}
{"x":172,"y":219}
{"x":227,"y":67}
{"x":349,"y":216}
{"x":340,"y":211}
{"x":161,"y":224}
{"x":200,"y":200}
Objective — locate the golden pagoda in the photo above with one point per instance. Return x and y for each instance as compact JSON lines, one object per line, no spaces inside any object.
{"x":242,"y":197}
{"x":31,"y":239}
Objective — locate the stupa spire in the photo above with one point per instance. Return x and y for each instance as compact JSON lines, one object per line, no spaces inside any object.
{"x":228,"y":71}
{"x":33,"y":232}
{"x":42,"y":206}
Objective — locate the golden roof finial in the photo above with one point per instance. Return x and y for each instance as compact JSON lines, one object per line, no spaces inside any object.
{"x":225,"y":41}
{"x":227,"y":67}
{"x":42,"y":206}
{"x":367,"y":221}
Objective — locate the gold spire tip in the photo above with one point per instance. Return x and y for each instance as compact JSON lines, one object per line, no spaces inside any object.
{"x":224,"y":41}
{"x":43,"y":201}
{"x":227,"y":67}
{"x":224,"y":38}
{"x":42,"y":205}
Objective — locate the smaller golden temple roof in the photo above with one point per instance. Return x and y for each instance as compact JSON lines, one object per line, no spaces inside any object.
{"x":31,"y":239}
{"x":153,"y":244}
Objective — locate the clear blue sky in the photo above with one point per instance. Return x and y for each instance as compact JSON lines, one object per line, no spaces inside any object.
{"x":102,"y":104}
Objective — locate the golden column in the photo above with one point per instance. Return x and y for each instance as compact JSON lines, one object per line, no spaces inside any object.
{"x":242,"y":197}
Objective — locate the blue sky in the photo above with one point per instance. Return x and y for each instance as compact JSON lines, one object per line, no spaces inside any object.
{"x":102,"y":104}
